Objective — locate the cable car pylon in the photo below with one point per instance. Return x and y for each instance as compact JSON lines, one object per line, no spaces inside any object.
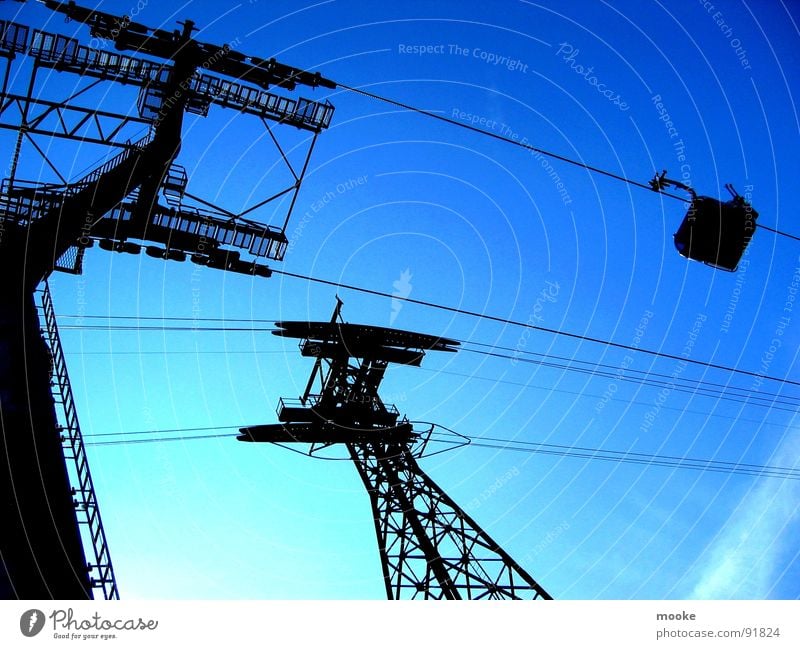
{"x":47,"y":226}
{"x":430,"y":548}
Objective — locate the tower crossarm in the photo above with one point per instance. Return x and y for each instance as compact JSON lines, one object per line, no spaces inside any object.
{"x":164,"y":44}
{"x":66,"y":54}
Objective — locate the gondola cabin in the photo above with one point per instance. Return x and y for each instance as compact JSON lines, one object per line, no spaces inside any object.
{"x":716,"y":232}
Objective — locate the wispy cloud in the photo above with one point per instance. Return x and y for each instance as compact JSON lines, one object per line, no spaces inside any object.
{"x":746,"y":559}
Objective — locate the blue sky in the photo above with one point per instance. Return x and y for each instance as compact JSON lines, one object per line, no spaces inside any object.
{"x":397,"y":199}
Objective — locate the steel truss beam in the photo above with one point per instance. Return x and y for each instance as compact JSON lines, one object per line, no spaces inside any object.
{"x":66,"y":121}
{"x":68,"y":55}
{"x":31,"y":116}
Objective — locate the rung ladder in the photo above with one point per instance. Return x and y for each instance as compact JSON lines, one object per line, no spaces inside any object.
{"x":101,"y":571}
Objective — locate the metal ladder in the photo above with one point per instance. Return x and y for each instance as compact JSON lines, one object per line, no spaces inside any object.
{"x":101,"y":571}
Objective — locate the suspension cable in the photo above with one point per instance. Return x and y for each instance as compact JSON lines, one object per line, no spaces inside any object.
{"x":541,"y":448}
{"x":507,"y":140}
{"x":534,"y":149}
{"x":528,"y":325}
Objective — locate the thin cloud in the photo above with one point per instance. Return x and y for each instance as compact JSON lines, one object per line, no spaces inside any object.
{"x":745,"y":559}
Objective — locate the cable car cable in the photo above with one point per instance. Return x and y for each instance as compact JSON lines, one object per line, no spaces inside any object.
{"x":625,"y":457}
{"x":700,"y":385}
{"x":527,"y":325}
{"x":587,"y":395}
{"x":783,"y":234}
{"x":616,"y":369}
{"x":648,"y":378}
{"x":765,"y":400}
{"x":645,"y":377}
{"x":529,"y":147}
{"x":507,"y":140}
{"x":647,"y":374}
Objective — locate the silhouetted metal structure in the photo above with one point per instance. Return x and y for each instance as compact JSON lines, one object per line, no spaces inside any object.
{"x":429,"y":547}
{"x":47,"y":226}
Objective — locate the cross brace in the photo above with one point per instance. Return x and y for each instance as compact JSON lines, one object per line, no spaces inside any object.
{"x":430,"y":548}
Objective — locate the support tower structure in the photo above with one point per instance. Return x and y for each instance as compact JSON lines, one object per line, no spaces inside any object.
{"x":430,"y":548}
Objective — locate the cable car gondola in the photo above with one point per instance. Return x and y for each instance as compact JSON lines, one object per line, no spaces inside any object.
{"x":713,"y":232}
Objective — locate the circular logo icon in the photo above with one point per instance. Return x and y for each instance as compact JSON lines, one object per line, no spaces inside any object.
{"x":31,"y":622}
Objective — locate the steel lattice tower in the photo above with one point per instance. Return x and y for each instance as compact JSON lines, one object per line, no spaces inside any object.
{"x":430,"y":548}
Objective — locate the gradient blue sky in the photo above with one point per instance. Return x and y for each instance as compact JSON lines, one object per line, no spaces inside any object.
{"x":474,"y":223}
